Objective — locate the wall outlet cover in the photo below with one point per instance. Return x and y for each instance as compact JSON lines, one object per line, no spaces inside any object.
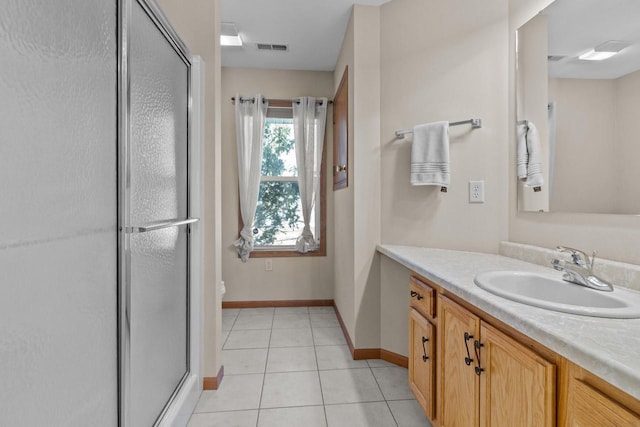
{"x":476,"y":191}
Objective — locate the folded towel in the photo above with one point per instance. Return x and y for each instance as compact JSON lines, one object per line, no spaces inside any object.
{"x":534,"y":164}
{"x":430,"y":154}
{"x":529,"y":155}
{"x":522,"y":155}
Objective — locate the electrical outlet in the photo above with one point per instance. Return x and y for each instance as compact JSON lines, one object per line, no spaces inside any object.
{"x":476,"y":191}
{"x":268,"y":264}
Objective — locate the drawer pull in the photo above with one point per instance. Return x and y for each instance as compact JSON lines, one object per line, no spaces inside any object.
{"x":467,"y":337}
{"x":424,"y":350}
{"x":416,"y":295}
{"x":476,"y":346}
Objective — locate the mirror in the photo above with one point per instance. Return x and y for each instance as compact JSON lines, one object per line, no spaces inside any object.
{"x":585,"y":111}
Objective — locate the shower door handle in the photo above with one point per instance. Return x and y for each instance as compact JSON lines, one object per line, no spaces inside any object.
{"x":160,"y":225}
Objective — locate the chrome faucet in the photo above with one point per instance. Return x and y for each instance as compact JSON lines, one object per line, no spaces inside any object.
{"x":580,"y":270}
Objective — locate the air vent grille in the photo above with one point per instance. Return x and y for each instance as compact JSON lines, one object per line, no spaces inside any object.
{"x":270,"y":46}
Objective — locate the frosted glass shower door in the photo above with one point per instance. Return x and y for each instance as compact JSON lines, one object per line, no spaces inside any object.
{"x":158,"y":217}
{"x":58,"y":211}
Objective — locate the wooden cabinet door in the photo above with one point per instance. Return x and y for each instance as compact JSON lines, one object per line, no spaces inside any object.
{"x":517,"y":386}
{"x":589,"y":401}
{"x":588,"y":407}
{"x":458,"y":385}
{"x":421,"y":361}
{"x":341,"y":134}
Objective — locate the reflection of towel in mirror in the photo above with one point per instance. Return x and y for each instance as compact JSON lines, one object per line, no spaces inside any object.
{"x":522,"y":156}
{"x":430,"y":154}
{"x":529,"y":155}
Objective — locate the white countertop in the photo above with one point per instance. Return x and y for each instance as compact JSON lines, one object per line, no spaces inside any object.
{"x":609,"y":348}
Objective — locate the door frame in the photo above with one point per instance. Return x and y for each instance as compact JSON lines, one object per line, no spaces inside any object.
{"x":186,"y":394}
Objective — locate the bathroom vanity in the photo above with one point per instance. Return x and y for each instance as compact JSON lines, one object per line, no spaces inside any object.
{"x":476,"y":359}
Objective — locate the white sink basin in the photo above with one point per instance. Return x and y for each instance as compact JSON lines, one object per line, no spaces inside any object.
{"x":551,"y":292}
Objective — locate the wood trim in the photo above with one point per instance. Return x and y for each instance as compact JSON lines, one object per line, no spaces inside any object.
{"x":381,"y":353}
{"x":283,"y":303}
{"x":212,"y":383}
{"x":281,"y":103}
{"x":395,"y":358}
{"x":287,"y":254}
{"x":370,"y":353}
{"x":344,"y":331}
{"x":366,"y":353}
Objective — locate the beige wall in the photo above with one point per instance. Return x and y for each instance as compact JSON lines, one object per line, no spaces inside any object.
{"x":366,"y":175}
{"x":297,"y":278}
{"x":357,"y":207}
{"x":602,"y":151}
{"x":585,"y":156}
{"x":445,"y":61}
{"x":343,"y":274}
{"x":616,"y":237}
{"x":448,"y":62}
{"x":394,"y":313}
{"x":196,"y":22}
{"x":627,"y":149}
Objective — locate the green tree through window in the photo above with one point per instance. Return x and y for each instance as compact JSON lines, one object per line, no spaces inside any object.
{"x":278,"y":218}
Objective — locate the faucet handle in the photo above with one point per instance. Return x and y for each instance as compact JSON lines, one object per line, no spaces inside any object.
{"x":577,"y":256}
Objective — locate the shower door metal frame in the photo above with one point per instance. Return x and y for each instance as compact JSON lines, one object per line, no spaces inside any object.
{"x":125,"y":229}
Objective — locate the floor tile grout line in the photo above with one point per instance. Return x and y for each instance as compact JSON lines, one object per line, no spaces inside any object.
{"x":383,"y":396}
{"x":264,"y":375}
{"x":227,"y":338}
{"x":313,"y":329}
{"x":301,"y":406}
{"x":391,"y":412}
{"x":324,"y":407}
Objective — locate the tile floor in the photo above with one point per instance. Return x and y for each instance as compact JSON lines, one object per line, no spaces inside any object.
{"x":289,"y":367}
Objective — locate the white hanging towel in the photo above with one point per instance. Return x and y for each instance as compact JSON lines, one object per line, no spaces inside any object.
{"x":534,"y":177}
{"x":430,"y":154}
{"x":522,"y":155}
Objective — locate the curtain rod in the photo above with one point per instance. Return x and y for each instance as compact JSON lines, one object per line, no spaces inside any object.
{"x":233,"y":100}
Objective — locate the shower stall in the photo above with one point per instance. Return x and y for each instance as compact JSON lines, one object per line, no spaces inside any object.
{"x":100,"y":259}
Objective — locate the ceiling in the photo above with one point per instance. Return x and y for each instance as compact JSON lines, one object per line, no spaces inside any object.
{"x":578,"y":26}
{"x":312,"y":29}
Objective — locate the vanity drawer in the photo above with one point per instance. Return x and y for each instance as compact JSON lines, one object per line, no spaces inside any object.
{"x":422,"y":297}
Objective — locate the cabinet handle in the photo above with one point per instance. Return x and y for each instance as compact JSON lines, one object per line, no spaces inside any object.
{"x":467,"y":337}
{"x":476,"y":347}
{"x":424,"y":350}
{"x":414,"y":294}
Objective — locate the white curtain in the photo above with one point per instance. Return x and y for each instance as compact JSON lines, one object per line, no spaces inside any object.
{"x":250,"y":119}
{"x":309,"y":118}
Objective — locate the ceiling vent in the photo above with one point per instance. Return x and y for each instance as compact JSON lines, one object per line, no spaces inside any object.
{"x":269,"y":46}
{"x":555,"y":58}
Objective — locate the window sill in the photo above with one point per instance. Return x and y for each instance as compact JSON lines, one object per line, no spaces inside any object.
{"x":284,"y":253}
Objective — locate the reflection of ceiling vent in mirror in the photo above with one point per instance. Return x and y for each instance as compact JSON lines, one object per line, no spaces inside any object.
{"x":269,"y":46}
{"x":555,"y":58}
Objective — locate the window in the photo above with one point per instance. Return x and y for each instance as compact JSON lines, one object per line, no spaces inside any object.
{"x":278,"y":221}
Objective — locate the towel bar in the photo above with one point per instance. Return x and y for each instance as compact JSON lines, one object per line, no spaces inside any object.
{"x":475,"y":124}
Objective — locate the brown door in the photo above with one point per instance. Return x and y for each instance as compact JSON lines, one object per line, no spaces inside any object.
{"x":341,"y":133}
{"x":421,"y":361}
{"x":458,"y":383}
{"x":517,"y":386}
